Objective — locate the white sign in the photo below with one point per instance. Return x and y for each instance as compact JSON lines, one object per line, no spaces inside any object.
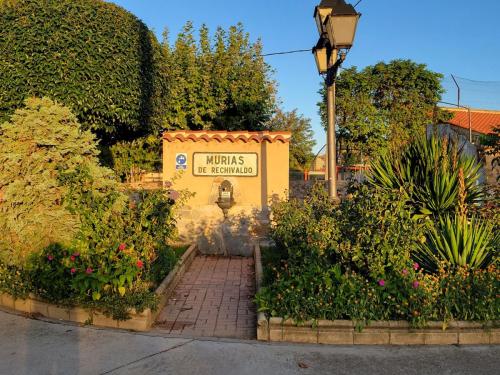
{"x":181,"y":161}
{"x":225,"y":164}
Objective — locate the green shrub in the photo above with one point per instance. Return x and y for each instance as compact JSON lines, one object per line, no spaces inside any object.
{"x":93,"y":56}
{"x":305,"y":229}
{"x":40,"y":142}
{"x":133,"y":156}
{"x":315,"y":291}
{"x":379,"y":231}
{"x":459,"y":241}
{"x":370,"y":233}
{"x":105,"y":261}
{"x":427,"y":170}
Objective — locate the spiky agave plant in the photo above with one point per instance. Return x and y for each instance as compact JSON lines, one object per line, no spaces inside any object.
{"x":428,"y":171}
{"x":459,"y":241}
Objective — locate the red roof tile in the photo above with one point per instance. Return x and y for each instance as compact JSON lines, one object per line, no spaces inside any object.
{"x":482,"y":121}
{"x":219,"y":136}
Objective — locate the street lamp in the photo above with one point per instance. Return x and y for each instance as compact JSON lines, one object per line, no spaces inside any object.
{"x":336,"y":22}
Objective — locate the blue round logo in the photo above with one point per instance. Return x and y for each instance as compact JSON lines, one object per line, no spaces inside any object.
{"x":181,"y":159}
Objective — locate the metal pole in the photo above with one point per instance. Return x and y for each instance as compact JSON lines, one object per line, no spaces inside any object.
{"x":332,"y":162}
{"x":458,"y":90}
{"x":470,"y":126}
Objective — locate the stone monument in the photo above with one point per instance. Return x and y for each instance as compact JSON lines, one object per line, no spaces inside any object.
{"x":234,"y":177}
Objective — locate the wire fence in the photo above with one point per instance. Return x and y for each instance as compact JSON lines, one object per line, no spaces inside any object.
{"x":475,"y":94}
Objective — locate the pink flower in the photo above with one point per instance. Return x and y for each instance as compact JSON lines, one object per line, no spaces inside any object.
{"x":381,"y":282}
{"x":416,"y":284}
{"x":50,"y":257}
{"x":174,"y":195}
{"x":140,"y":264}
{"x":122,"y":247}
{"x":76,"y":254}
{"x":416,"y":266}
{"x":72,"y":258}
{"x":73,"y":270}
{"x":405,"y":272}
{"x":89,"y":270}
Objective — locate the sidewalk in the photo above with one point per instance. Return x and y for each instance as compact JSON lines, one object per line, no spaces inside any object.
{"x":213,"y":298}
{"x":37,"y":347}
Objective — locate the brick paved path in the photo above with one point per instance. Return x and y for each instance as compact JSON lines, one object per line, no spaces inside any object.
{"x":213,"y":298}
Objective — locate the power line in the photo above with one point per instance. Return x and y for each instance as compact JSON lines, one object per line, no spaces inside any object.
{"x":287,"y":52}
{"x":355,"y":5}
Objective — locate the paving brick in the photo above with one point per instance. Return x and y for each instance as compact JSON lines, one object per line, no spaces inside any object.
{"x":214,"y":297}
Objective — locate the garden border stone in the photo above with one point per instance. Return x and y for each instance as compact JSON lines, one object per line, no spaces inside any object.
{"x":345,"y":332}
{"x":138,"y":321}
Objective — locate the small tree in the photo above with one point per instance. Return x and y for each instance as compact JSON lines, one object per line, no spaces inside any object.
{"x":39,"y":143}
{"x":385,"y":105}
{"x":302,"y":140}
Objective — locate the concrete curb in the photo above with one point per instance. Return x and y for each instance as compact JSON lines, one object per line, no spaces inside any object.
{"x":138,"y":321}
{"x":345,"y":332}
{"x":168,"y":285}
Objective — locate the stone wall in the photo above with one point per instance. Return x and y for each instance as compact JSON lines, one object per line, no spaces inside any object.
{"x":201,"y":219}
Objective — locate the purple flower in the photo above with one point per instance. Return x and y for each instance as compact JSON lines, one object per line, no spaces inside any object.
{"x":416,"y":284}
{"x":381,"y":282}
{"x":416,"y":266}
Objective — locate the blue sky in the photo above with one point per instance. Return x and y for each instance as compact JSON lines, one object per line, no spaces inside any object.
{"x":460,"y":37}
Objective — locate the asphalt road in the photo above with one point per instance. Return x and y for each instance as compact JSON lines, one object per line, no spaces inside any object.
{"x":32,"y":347}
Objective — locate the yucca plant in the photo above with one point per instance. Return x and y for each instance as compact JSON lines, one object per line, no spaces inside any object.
{"x":428,"y":171}
{"x":459,"y":241}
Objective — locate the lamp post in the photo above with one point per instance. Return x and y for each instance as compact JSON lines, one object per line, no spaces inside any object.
{"x":336,"y":22}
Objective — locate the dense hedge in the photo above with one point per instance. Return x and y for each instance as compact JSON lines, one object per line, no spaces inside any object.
{"x":90,"y":55}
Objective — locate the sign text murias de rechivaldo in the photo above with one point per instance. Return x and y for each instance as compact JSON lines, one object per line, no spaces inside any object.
{"x":225,"y":164}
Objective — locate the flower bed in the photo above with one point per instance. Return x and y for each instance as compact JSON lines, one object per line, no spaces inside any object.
{"x":345,"y":332}
{"x":137,"y":320}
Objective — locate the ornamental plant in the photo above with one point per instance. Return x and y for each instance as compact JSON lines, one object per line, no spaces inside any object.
{"x":60,"y":273}
{"x":427,"y":171}
{"x":460,"y":241}
{"x":93,"y":56}
{"x":41,"y":141}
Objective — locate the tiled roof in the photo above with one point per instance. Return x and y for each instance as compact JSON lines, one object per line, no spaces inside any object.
{"x":219,"y":136}
{"x":482,"y":121}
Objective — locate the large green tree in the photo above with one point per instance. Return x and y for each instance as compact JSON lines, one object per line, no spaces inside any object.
{"x":219,"y":83}
{"x":302,"y":141}
{"x":384,"y":105}
{"x":92,"y":56}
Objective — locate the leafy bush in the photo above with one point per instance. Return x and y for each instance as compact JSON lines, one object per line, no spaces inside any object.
{"x":315,"y":291}
{"x":142,"y":153}
{"x":370,"y":233}
{"x":40,"y":142}
{"x":105,"y":260}
{"x":93,"y":56}
{"x":459,"y":241}
{"x":379,"y":231}
{"x":59,"y":274}
{"x":428,"y":171}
